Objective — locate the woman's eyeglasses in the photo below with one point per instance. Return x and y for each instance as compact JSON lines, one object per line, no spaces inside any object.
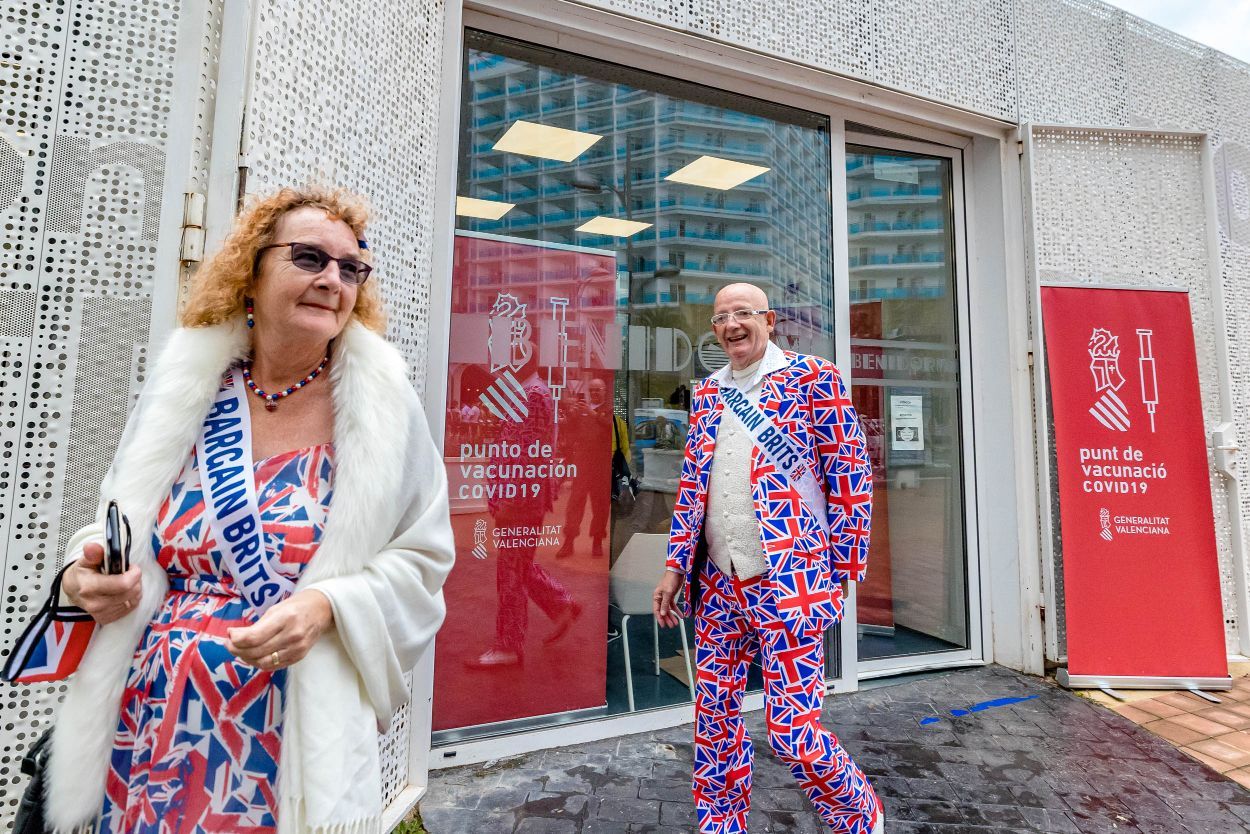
{"x":740,"y":316}
{"x":310,"y":258}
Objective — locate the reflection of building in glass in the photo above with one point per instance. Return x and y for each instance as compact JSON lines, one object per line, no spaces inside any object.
{"x":897,"y":234}
{"x":773,"y":230}
{"x":901,"y":275}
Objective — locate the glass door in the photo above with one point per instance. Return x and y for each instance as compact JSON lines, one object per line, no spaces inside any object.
{"x":919,"y":605}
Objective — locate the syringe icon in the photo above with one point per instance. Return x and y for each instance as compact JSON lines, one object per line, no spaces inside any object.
{"x":559,"y":315}
{"x":1146,"y":366}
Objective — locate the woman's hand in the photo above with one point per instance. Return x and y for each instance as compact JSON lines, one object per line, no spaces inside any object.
{"x":106,"y":598}
{"x":284,"y":633}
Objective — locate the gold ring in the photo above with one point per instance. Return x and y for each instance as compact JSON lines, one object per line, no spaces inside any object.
{"x":126,"y":603}
{"x":273,"y":660}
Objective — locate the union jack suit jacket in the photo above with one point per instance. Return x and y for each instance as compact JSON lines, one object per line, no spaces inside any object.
{"x":805,"y":397}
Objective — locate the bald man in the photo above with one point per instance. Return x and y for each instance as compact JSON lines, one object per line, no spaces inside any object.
{"x":771,"y":517}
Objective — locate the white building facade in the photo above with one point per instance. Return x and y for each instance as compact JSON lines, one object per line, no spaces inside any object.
{"x":924,"y":171}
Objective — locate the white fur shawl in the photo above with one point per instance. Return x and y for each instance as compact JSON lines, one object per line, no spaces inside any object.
{"x":385,"y":551}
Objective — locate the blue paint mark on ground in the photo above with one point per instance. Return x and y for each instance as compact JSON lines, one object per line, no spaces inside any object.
{"x":999,"y":702}
{"x":981,"y":707}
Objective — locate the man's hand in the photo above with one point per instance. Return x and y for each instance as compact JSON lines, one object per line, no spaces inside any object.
{"x":664,"y":601}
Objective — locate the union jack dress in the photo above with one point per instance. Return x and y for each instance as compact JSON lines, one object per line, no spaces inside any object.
{"x":200,"y":733}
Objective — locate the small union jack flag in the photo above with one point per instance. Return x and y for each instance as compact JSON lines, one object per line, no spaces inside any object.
{"x":52,"y":645}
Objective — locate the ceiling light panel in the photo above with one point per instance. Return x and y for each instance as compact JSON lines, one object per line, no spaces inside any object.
{"x":612,"y":226}
{"x":545,"y":141}
{"x":485,"y":209}
{"x":714,"y":172}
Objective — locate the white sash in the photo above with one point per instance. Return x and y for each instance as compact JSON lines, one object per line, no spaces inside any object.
{"x":779,"y":450}
{"x":224,"y":452}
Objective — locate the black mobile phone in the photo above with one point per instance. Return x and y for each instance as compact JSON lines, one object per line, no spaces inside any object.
{"x":116,"y":540}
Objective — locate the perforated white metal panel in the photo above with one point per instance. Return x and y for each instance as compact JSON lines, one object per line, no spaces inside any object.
{"x":1167,"y":79}
{"x":957,"y":51}
{"x":1070,"y":61}
{"x":87,"y":90}
{"x":394,"y":753}
{"x":1128,"y":209}
{"x":1231,"y":85}
{"x":360,"y":111}
{"x":664,"y":12}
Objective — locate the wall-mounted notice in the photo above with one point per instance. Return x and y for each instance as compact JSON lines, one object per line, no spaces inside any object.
{"x":907,"y":423}
{"x":1140,"y":571}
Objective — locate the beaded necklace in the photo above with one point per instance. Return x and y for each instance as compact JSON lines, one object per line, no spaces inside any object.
{"x":271,"y":400}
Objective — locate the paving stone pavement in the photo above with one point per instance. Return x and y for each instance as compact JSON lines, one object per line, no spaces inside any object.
{"x":1053,"y":763}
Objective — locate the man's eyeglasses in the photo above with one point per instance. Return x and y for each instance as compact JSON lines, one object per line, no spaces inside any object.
{"x":740,"y":316}
{"x":310,"y":258}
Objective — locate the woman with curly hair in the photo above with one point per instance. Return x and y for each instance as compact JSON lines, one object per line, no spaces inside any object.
{"x":291,"y":539}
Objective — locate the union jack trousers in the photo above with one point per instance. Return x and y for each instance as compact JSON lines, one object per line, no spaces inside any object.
{"x":733,"y":624}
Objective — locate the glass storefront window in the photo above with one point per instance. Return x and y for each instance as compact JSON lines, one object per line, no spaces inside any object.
{"x":600,"y":209}
{"x":906,"y":384}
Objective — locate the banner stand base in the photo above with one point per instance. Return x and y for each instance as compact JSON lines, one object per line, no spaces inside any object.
{"x":1068,"y":681}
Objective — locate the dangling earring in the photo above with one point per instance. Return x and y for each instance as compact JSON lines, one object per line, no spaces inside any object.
{"x":251,"y":322}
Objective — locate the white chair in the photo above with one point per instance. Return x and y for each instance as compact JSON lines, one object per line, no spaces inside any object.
{"x":633,"y":579}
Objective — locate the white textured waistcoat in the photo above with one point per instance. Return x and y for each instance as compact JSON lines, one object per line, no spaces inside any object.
{"x":733,"y":533}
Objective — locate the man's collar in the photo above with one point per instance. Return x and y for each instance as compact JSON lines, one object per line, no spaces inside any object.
{"x":774,"y":360}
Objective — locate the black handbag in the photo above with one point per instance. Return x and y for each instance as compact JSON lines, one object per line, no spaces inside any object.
{"x":29,"y":819}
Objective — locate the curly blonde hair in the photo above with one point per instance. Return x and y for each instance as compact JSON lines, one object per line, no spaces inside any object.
{"x":226,"y":279}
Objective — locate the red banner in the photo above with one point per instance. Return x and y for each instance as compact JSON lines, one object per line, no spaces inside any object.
{"x":1140,"y":570}
{"x":534,"y":345}
{"x":874,"y":598}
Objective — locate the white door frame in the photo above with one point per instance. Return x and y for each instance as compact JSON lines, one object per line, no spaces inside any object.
{"x":977,"y":638}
